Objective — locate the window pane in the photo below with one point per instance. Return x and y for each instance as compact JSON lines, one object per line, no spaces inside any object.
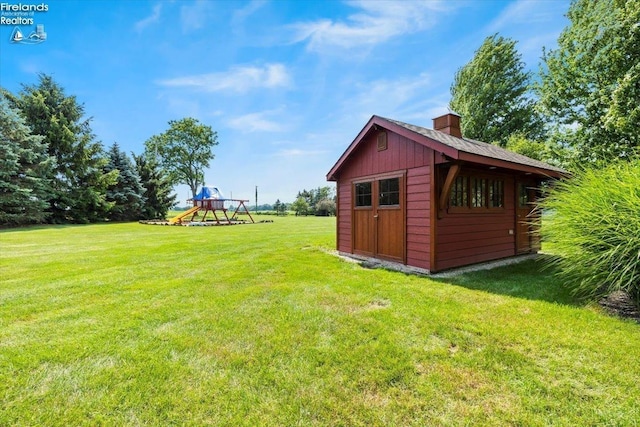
{"x":458,"y":197}
{"x":523,"y":195}
{"x":478,"y":192}
{"x":363,"y":194}
{"x":496,"y":194}
{"x":389,"y":192}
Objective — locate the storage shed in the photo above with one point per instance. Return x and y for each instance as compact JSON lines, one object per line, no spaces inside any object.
{"x":431,"y":199}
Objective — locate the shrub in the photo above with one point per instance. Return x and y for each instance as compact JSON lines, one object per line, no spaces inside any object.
{"x":593,"y":223}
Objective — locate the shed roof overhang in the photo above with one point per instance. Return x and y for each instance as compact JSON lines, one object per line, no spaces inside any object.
{"x":452,"y":153}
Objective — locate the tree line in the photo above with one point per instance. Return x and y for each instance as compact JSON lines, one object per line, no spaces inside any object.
{"x":53,"y":169}
{"x":583,"y":105}
{"x":319,"y":201}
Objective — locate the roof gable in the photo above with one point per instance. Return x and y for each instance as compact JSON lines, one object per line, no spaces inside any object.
{"x":462,"y":149}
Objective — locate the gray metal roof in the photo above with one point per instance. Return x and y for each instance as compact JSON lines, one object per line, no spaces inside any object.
{"x":479,"y":148}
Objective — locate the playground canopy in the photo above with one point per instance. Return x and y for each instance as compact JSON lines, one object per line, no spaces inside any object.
{"x":207,"y":193}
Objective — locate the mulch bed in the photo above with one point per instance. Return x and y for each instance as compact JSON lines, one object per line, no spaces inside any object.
{"x":621,"y":304}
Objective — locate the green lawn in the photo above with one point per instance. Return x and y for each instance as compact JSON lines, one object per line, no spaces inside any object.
{"x":129,"y":324}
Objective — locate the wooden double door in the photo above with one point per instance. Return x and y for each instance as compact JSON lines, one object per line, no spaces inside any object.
{"x":379,"y":218}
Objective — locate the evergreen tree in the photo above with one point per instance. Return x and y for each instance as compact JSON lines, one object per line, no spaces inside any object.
{"x":24,"y":170}
{"x":492,"y":93}
{"x":157,"y":188}
{"x":591,"y":83}
{"x":126,"y":193}
{"x":78,"y":182}
{"x":277,"y":206}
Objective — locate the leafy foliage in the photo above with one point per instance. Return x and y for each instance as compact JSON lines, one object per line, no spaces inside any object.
{"x":591,"y":84}
{"x":78,"y":181}
{"x":520,"y":144}
{"x":326,"y":207}
{"x":546,"y":151}
{"x":126,"y":193}
{"x":300,"y":206}
{"x":311,"y":201}
{"x":184,"y":151}
{"x":593,"y":222}
{"x":24,"y":170}
{"x":158,"y":191}
{"x":492,"y":94}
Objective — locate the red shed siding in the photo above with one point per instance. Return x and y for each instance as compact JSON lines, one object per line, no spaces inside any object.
{"x":468,"y":238}
{"x":418,"y":214}
{"x":402,"y":154}
{"x":344,"y":217}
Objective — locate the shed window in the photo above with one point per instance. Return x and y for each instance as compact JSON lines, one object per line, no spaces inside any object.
{"x":478,"y":192}
{"x":523,"y":195}
{"x":459,"y":192}
{"x":389,"y":192}
{"x":475,"y":192}
{"x":496,"y":193}
{"x":363,"y":194}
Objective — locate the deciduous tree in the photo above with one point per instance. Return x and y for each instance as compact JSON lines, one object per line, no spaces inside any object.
{"x":590,"y":84}
{"x":300,"y":206}
{"x":492,"y":93}
{"x":312,"y":198}
{"x":184,"y":151}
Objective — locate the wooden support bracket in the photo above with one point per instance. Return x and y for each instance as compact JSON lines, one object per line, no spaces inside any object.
{"x":446,"y":189}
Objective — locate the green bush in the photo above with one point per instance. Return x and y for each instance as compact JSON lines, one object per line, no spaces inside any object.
{"x":593,"y":224}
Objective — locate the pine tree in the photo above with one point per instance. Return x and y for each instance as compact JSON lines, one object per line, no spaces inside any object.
{"x":127,"y":193}
{"x":24,"y":170}
{"x":78,"y":183}
{"x":157,"y":188}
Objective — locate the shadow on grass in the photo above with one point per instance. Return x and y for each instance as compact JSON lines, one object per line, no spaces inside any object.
{"x":531,"y":279}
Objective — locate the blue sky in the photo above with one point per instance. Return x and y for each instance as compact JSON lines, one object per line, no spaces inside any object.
{"x":286,"y":84}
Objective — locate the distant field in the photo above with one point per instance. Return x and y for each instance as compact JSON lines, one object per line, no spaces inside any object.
{"x":129,"y":324}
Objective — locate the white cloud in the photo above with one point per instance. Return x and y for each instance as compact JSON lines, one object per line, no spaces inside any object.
{"x":256,"y":122}
{"x":387,"y":97}
{"x":151,"y":19}
{"x":525,"y":12}
{"x":237,"y":79}
{"x":251,"y":8}
{"x":376,"y":22}
{"x":193,"y":17}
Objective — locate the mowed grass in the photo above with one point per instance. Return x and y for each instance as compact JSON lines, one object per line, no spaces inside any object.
{"x":129,"y":324}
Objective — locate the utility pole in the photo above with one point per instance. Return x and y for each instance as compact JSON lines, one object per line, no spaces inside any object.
{"x":256,"y":199}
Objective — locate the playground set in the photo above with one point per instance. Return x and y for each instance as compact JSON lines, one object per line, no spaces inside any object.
{"x":210,"y":199}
